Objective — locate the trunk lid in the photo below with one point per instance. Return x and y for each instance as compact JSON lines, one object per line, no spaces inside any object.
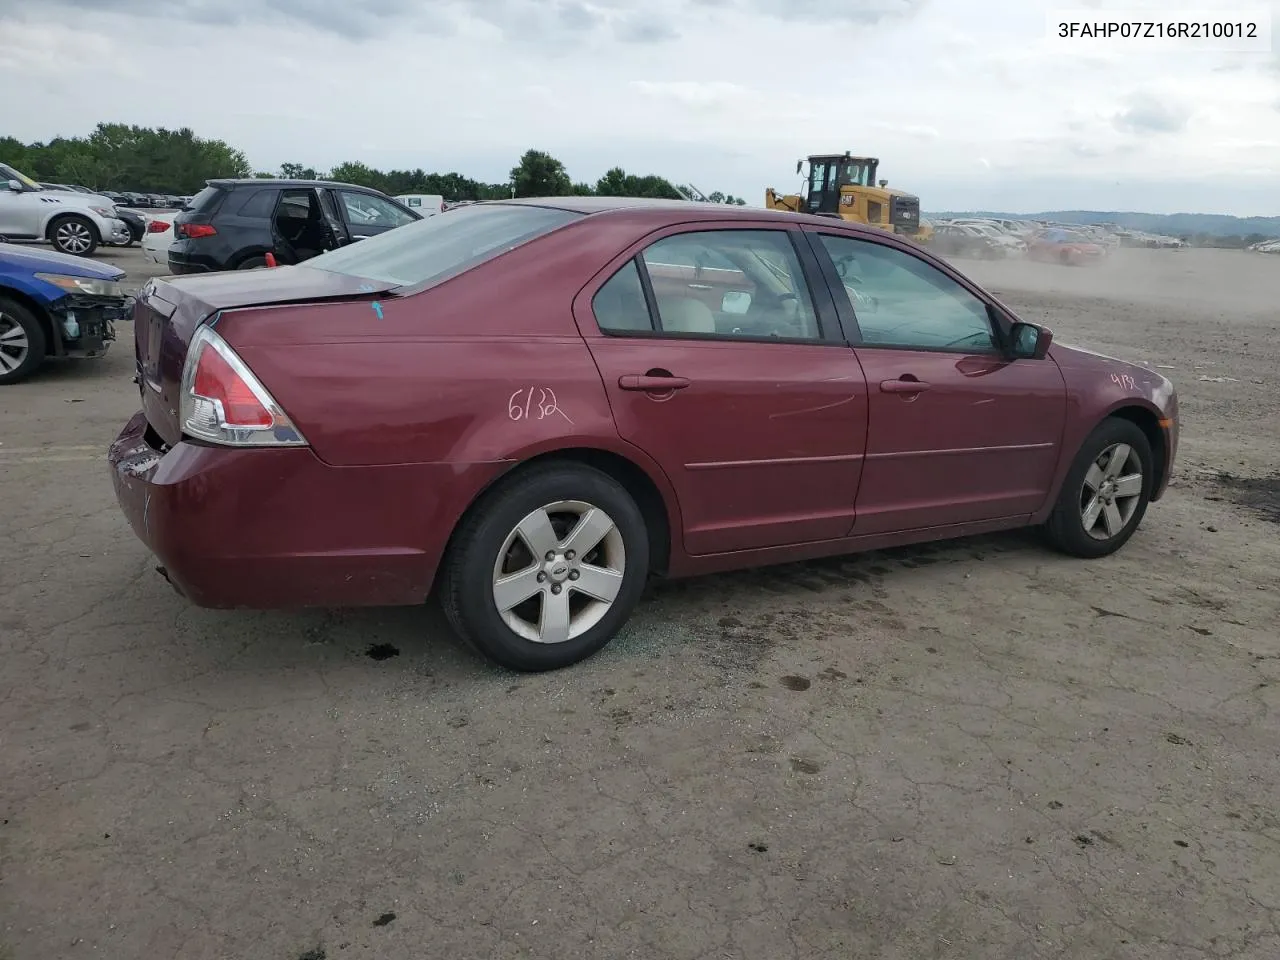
{"x":169,"y":309}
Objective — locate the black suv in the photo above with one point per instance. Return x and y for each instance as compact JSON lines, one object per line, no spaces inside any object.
{"x":233,"y":224}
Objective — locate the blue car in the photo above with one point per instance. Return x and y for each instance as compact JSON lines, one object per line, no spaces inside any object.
{"x":54,"y":306}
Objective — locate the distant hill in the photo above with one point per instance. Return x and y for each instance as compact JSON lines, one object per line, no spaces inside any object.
{"x":1171,"y":224}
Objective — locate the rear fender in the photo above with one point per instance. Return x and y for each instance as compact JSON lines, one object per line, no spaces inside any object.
{"x":616,"y":445}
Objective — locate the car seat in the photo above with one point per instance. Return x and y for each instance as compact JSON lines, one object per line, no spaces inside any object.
{"x":686,"y":315}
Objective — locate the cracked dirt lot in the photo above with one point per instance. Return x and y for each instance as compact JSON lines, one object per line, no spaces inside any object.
{"x":974,"y":750}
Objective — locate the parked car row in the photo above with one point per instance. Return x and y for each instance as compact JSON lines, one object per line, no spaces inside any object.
{"x":127,"y":203}
{"x":978,"y":240}
{"x":144,"y":201}
{"x":991,"y":238}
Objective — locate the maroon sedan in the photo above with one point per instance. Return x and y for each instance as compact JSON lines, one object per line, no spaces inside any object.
{"x":527,"y":407}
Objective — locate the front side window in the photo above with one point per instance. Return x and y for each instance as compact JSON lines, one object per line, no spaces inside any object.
{"x":10,"y":173}
{"x":743,"y":283}
{"x":901,"y":301}
{"x":366,"y":210}
{"x":818,"y":178}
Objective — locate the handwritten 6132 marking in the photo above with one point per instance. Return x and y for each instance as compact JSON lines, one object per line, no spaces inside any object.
{"x":1123,"y":380}
{"x":521,"y":405}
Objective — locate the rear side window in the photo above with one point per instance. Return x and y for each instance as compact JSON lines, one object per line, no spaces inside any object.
{"x":436,"y":248}
{"x":206,"y":201}
{"x":620,"y":303}
{"x":258,"y":203}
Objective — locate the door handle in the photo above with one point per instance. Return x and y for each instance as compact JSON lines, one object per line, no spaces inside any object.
{"x":648,"y":384}
{"x":699,"y":286}
{"x":903,"y":386}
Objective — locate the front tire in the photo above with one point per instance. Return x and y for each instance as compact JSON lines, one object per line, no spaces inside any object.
{"x":546,"y":567}
{"x":74,"y":235}
{"x":1105,"y":493}
{"x":22,"y":342}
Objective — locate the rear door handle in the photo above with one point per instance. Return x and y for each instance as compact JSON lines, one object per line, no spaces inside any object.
{"x":903,"y":386}
{"x":648,"y":384}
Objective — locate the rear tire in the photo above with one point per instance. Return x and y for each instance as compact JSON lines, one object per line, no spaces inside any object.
{"x":1105,"y":493}
{"x":252,"y":263}
{"x":74,"y":235}
{"x":546,"y":567}
{"x":22,"y":342}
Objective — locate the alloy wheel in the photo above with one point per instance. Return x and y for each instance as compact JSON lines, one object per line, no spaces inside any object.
{"x":559,"y":571}
{"x":14,"y":344}
{"x":1111,"y":491}
{"x":73,"y":237}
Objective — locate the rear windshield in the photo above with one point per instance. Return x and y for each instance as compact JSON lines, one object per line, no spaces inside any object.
{"x":205,"y":200}
{"x":442,"y":246}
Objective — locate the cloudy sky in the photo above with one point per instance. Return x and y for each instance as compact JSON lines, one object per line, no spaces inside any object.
{"x":966,"y":102}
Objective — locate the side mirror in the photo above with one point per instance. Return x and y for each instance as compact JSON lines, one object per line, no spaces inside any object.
{"x":15,"y":186}
{"x":799,"y":164}
{"x":735,"y":301}
{"x":1030,"y":341}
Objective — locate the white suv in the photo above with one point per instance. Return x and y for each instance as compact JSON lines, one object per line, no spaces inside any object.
{"x":74,"y":223}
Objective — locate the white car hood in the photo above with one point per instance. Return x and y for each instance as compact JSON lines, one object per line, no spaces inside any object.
{"x":80,"y":199}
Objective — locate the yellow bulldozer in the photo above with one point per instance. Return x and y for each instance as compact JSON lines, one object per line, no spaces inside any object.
{"x":844,"y":186}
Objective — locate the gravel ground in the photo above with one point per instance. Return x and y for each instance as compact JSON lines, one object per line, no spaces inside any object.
{"x":972,"y":750}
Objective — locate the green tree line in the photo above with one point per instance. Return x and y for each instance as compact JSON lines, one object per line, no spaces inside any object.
{"x":120,"y":157}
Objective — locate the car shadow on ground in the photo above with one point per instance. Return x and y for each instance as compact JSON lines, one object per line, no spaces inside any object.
{"x":732,"y":619}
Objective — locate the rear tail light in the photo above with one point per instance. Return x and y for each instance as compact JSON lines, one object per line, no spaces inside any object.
{"x":222,"y":401}
{"x":157,"y":226}
{"x":194,"y":231}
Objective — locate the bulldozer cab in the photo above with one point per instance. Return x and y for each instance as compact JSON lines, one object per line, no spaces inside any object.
{"x":829,"y":172}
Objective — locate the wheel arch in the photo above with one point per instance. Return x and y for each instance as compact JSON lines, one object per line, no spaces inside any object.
{"x":53,"y":340}
{"x":247,"y":253}
{"x":1148,"y":421}
{"x":63,"y":215}
{"x":1143,"y":415}
{"x":652,"y":494}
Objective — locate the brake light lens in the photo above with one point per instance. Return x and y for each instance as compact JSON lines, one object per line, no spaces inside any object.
{"x":157,"y":226}
{"x":194,"y":231}
{"x":223,"y":402}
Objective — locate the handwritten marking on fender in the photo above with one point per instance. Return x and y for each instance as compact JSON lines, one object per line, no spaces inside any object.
{"x":521,"y":405}
{"x":1124,"y":380}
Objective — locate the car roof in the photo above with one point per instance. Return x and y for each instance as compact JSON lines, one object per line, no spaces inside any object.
{"x":678,"y":211}
{"x":283,"y":182}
